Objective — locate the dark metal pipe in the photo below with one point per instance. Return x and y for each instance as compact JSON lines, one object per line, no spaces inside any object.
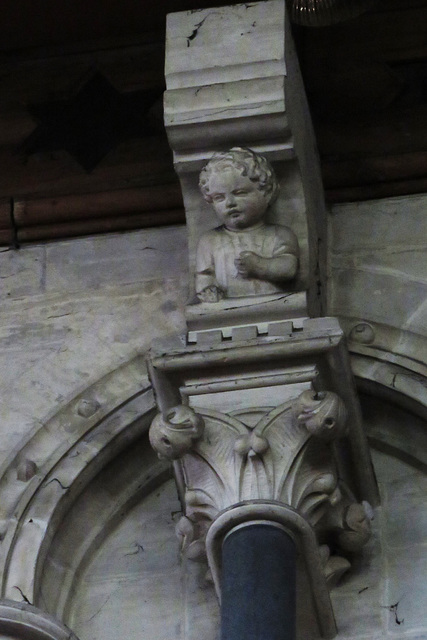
{"x":258,"y":599}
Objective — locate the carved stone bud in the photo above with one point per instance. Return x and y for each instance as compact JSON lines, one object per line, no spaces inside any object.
{"x":251,"y":445}
{"x":184,"y":531}
{"x":172,"y":435}
{"x":87,"y":408}
{"x":322,"y":413}
{"x":26,"y":470}
{"x":357,"y":528}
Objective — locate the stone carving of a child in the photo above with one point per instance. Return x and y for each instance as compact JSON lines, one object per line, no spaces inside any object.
{"x":244,"y":256}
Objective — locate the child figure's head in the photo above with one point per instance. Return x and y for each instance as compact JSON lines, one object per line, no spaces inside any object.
{"x":240,"y":184}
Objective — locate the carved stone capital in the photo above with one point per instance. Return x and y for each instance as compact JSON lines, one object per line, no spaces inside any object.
{"x":262,"y":423}
{"x":286,"y":458}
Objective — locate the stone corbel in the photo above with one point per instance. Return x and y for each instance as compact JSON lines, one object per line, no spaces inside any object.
{"x":232,"y":79}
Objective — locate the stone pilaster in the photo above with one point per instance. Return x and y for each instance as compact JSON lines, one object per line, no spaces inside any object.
{"x":258,"y":409}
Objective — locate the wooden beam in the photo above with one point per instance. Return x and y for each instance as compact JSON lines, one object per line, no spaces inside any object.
{"x":100,"y":225}
{"x":89,"y":206}
{"x":374,"y":191}
{"x":374,"y":169}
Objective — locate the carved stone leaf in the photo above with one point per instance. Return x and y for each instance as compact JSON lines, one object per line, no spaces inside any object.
{"x":312,"y":481}
{"x":213,"y":465}
{"x":286,"y":438}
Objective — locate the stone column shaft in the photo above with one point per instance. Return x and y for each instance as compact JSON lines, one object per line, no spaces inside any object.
{"x":258,"y":583}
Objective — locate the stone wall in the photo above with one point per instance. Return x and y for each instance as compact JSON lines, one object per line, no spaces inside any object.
{"x":378,"y":289}
{"x":73,"y":311}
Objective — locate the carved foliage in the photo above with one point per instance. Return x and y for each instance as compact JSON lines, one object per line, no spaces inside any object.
{"x":286,"y":457}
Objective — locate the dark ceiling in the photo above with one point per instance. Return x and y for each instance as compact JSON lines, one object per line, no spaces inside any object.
{"x":366,"y":81}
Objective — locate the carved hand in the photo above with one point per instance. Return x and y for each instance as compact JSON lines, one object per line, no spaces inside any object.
{"x":211,"y":294}
{"x":278,"y":268}
{"x":247,"y":264}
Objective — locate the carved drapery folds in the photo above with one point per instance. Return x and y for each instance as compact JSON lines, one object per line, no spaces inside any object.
{"x":286,"y":457}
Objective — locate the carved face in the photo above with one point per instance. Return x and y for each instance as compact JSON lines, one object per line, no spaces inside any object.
{"x":237,"y":201}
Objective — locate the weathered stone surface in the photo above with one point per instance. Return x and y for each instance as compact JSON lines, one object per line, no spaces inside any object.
{"x":233,"y":79}
{"x":96,"y":303}
{"x":379,"y":279}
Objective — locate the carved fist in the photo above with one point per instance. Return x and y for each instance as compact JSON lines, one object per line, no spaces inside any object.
{"x":211,"y":294}
{"x":246,"y":264}
{"x":323,"y":414}
{"x":174,"y":434}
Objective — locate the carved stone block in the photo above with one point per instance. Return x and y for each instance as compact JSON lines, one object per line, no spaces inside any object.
{"x":232,"y":79}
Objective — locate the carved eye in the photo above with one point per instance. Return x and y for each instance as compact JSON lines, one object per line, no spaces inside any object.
{"x":240,"y":192}
{"x":166,"y":441}
{"x":218,"y":198}
{"x":170,"y":415}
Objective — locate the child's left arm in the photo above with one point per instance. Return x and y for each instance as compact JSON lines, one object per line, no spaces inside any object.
{"x":276,"y":269}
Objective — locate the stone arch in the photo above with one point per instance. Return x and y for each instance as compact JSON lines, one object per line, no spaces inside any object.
{"x":66,"y":457}
{"x":44,"y":479}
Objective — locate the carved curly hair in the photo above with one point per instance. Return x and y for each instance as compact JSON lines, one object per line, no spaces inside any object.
{"x":251,"y":164}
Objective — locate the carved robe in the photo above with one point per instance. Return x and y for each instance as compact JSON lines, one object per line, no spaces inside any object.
{"x":219,"y":248}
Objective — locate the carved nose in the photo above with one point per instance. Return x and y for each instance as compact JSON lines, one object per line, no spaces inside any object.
{"x":230,"y":202}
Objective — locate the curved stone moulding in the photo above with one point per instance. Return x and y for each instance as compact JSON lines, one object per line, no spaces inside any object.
{"x":21,"y":620}
{"x":403,"y":386}
{"x":397,"y":346}
{"x":43,"y":480}
{"x":298,"y":528}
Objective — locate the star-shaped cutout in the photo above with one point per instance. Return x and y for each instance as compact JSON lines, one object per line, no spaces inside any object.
{"x":93,"y":122}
